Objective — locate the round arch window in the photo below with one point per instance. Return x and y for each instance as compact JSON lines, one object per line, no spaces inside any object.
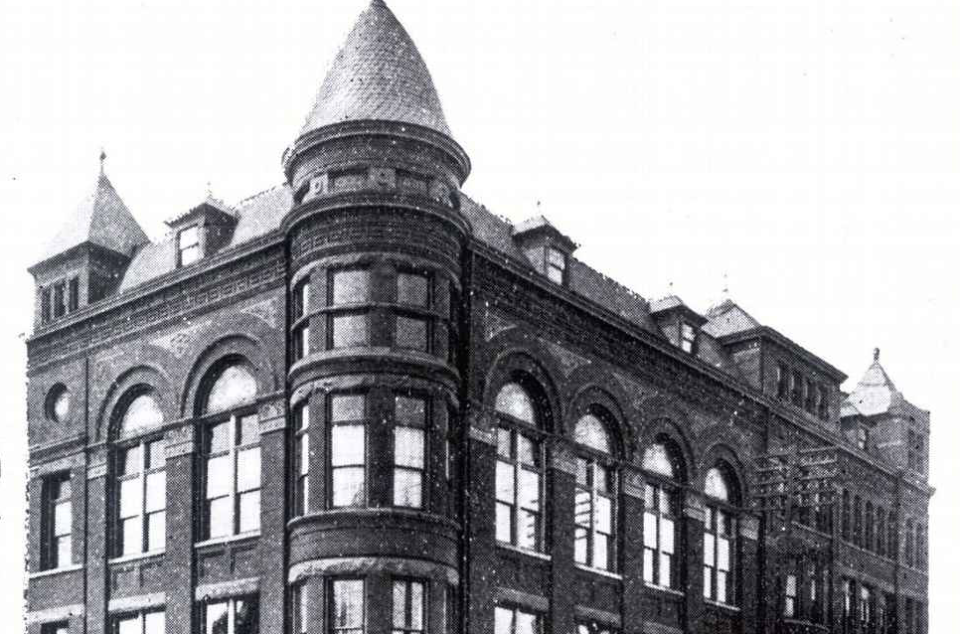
{"x":58,"y":403}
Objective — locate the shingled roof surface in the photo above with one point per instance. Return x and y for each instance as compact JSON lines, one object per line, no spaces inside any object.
{"x":378,"y":75}
{"x":102,"y":219}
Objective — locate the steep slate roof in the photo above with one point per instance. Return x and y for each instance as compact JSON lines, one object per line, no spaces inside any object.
{"x":875,"y":393}
{"x":102,"y":219}
{"x":727,"y":318}
{"x":378,"y":74}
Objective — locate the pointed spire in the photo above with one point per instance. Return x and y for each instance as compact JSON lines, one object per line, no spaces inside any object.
{"x":378,"y":75}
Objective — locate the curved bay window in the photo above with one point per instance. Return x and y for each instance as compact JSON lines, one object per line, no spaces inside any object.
{"x":414,"y":327}
{"x":660,"y":515}
{"x":595,"y":502}
{"x":720,"y":537}
{"x":231,"y":455}
{"x":301,"y":319}
{"x":301,"y":457}
{"x":519,"y":479}
{"x":348,"y":449}
{"x":141,"y":481}
{"x":348,"y":292}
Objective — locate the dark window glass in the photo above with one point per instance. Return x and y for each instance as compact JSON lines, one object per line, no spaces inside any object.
{"x":73,"y":295}
{"x":556,"y":265}
{"x":302,"y":457}
{"x":797,"y":389}
{"x":46,"y":305}
{"x":783,"y":380}
{"x":59,"y":299}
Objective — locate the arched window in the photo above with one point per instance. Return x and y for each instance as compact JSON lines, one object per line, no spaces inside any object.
{"x":231,"y":455}
{"x":141,"y":480}
{"x":519,"y":515}
{"x":595,"y":507}
{"x":661,"y":511}
{"x":720,"y":536}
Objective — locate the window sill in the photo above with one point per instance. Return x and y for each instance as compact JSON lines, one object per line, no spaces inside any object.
{"x":670,"y":591}
{"x":524,"y":551}
{"x":216,"y":541}
{"x":136,"y":557}
{"x":55,"y":571}
{"x":599,"y":571}
{"x":722,"y":606}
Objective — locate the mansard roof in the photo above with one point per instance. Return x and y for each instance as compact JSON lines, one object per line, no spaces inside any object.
{"x":101,"y":219}
{"x":378,"y":75}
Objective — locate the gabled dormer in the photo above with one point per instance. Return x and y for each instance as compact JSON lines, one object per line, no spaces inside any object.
{"x":86,"y":260}
{"x":547,"y":249}
{"x":202,"y":231}
{"x":679,"y":323}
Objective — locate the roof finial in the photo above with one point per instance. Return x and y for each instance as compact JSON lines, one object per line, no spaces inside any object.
{"x":876,"y":354}
{"x":103,"y":159}
{"x":209,"y":190}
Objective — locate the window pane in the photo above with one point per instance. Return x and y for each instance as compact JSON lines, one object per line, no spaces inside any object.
{"x":416,"y":605}
{"x":350,"y":287}
{"x":657,"y":459}
{"x":215,"y":618}
{"x":156,"y":454}
{"x":503,"y":621}
{"x":666,"y":535}
{"x":527,"y":529}
{"x":410,"y":411}
{"x":603,"y":520}
{"x":344,"y":407}
{"x":708,"y":549}
{"x":218,"y":438}
{"x":411,"y":333}
{"x":716,"y":485}
{"x":528,"y":451}
{"x":648,"y":565}
{"x":142,"y":413}
{"x":580,"y":545}
{"x":408,"y":447}
{"x":649,"y":530}
{"x":350,"y":331}
{"x":249,"y":430}
{"x":407,"y":488}
{"x":505,"y":482}
{"x":129,"y":461}
{"x":218,"y":476}
{"x":582,"y":508}
{"x":250,"y":511}
{"x":723,"y":554}
{"x":722,"y":586}
{"x":708,"y":582}
{"x":601,"y":552}
{"x":348,"y":486}
{"x":503,"y":443}
{"x":514,"y":401}
{"x":154,"y":623}
{"x":529,"y":490}
{"x":248,"y":469}
{"x":132,"y":531}
{"x":156,"y":491}
{"x":131,"y":499}
{"x":220,"y":518}
{"x":64,"y":551}
{"x":399,"y":605}
{"x":526,"y":623}
{"x":348,"y":445}
{"x":235,"y":386}
{"x":666,"y":578}
{"x":591,"y":432}
{"x":504,"y":521}
{"x":157,"y":531}
{"x":412,"y":289}
{"x":348,"y":603}
{"x":128,"y":625}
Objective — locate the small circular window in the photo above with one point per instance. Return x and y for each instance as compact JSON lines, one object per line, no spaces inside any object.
{"x":58,"y":403}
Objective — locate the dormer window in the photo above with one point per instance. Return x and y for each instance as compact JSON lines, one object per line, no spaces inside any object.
{"x":188,"y":246}
{"x":863,"y":437}
{"x":556,"y":265}
{"x":688,"y":337}
{"x":58,"y":299}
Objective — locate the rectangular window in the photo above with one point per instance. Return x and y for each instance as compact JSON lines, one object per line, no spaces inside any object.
{"x":909,"y":543}
{"x":811,"y":398}
{"x":797,"y":389}
{"x":232,"y":616}
{"x":845,"y":516}
{"x":893,"y":544}
{"x":659,"y":536}
{"x":302,"y":457}
{"x":346,"y":606}
{"x":61,"y":627}
{"x":59,"y":299}
{"x":857,"y":520}
{"x":863,"y":437}
{"x":301,"y":319}
{"x":301,"y":608}
{"x":188,"y":246}
{"x":790,"y":597}
{"x":349,"y":286}
{"x":594,"y":513}
{"x":409,"y":451}
{"x":412,"y":333}
{"x":73,"y":294}
{"x":866,"y":607}
{"x":556,"y":265}
{"x":509,"y":620}
{"x":348,"y":445}
{"x":409,"y":607}
{"x":868,"y":527}
{"x":688,"y":338}
{"x":519,"y":489}
{"x":847,"y":596}
{"x":413,"y":289}
{"x":57,"y":522}
{"x":232,"y":487}
{"x":142,"y":623}
{"x":718,"y":551}
{"x":142,"y":498}
{"x":823,"y":403}
{"x":350,"y":330}
{"x":46,"y":305}
{"x":783,"y":381}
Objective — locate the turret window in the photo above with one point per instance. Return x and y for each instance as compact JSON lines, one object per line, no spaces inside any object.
{"x":346,"y":606}
{"x":413,"y":289}
{"x":409,"y":607}
{"x":188,"y":246}
{"x":348,"y":450}
{"x":301,"y":319}
{"x":349,"y":329}
{"x":301,"y":419}
{"x":409,"y":451}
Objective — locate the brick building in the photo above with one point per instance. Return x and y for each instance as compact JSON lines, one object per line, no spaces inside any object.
{"x":360,"y":402}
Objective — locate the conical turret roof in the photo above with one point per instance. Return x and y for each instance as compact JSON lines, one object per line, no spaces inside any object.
{"x":378,"y":75}
{"x":102,"y":219}
{"x":875,"y":393}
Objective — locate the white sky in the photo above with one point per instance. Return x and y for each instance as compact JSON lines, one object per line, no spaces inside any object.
{"x":807,"y":149}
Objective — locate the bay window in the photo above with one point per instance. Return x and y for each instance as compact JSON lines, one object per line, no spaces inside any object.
{"x":301,"y":457}
{"x":348,"y":449}
{"x":347,"y":611}
{"x":409,"y":607}
{"x":301,"y":319}
{"x":409,"y":451}
{"x":348,"y":287}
